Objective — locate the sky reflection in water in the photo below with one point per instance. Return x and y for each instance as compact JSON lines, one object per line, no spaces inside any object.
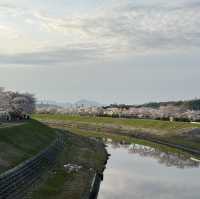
{"x":142,"y":172}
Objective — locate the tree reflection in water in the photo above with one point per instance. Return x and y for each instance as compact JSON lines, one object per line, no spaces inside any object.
{"x":179,"y":160}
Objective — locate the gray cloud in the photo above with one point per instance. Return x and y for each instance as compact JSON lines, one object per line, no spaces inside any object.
{"x":58,"y":55}
{"x":10,"y":9}
{"x":7,"y":6}
{"x":192,"y":4}
{"x":125,"y":28}
{"x":159,"y":28}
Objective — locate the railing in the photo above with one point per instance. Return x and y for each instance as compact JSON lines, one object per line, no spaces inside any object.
{"x":15,"y":182}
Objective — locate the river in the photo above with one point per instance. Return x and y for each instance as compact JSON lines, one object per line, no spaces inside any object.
{"x":141,"y":172}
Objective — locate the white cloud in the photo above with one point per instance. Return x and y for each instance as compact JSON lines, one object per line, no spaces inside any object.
{"x":134,"y":28}
{"x":10,"y":10}
{"x":123,"y":28}
{"x":9,"y":32}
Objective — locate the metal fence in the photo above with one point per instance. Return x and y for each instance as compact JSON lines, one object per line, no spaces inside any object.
{"x":15,"y":182}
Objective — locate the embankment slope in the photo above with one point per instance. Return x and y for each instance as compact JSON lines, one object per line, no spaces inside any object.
{"x":20,"y":142}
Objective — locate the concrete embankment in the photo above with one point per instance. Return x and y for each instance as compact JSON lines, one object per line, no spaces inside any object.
{"x":175,"y":142}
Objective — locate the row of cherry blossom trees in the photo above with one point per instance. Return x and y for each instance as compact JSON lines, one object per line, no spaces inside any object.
{"x":16,"y":105}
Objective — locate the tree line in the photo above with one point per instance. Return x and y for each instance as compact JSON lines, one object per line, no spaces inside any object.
{"x":193,"y":104}
{"x":15,"y":105}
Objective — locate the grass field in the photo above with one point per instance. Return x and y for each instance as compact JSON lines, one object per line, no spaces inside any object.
{"x":20,"y":142}
{"x":161,"y":126}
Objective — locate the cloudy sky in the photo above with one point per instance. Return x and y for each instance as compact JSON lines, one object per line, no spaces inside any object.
{"x":125,"y":51}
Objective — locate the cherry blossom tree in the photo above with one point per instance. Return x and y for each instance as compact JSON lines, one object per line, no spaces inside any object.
{"x":18,"y":105}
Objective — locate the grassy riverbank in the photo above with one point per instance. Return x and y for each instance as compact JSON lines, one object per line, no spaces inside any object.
{"x":20,"y":141}
{"x":60,"y":183}
{"x":155,"y":125}
{"x":179,"y":133}
{"x":115,"y":138}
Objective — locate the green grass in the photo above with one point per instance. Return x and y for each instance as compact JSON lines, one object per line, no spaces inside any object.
{"x":156,"y":125}
{"x":167,"y":131}
{"x":61,"y":184}
{"x":125,"y":140}
{"x":21,"y":142}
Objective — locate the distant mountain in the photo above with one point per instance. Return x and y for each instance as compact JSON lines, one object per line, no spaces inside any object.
{"x":49,"y":103}
{"x":87,"y":103}
{"x":83,"y":102}
{"x":65,"y":104}
{"x":42,"y":105}
{"x":46,"y":102}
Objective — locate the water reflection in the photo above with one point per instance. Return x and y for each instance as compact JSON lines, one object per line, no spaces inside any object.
{"x":140,"y":172}
{"x":180,"y":160}
{"x":169,"y":159}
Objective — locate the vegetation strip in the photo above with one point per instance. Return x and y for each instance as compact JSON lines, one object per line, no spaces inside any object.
{"x":171,"y":142}
{"x":155,"y":126}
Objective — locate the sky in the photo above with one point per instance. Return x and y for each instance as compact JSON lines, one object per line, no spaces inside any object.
{"x":130,"y":51}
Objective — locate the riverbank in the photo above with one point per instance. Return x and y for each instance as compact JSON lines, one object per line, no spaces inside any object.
{"x":74,"y":174}
{"x":185,"y":136}
{"x":154,"y":126}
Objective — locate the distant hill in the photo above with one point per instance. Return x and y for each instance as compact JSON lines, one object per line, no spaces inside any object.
{"x":43,"y":105}
{"x":87,"y":103}
{"x":55,"y":104}
{"x":188,"y":104}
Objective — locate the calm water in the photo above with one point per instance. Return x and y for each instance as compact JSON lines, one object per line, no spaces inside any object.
{"x":140,"y":172}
